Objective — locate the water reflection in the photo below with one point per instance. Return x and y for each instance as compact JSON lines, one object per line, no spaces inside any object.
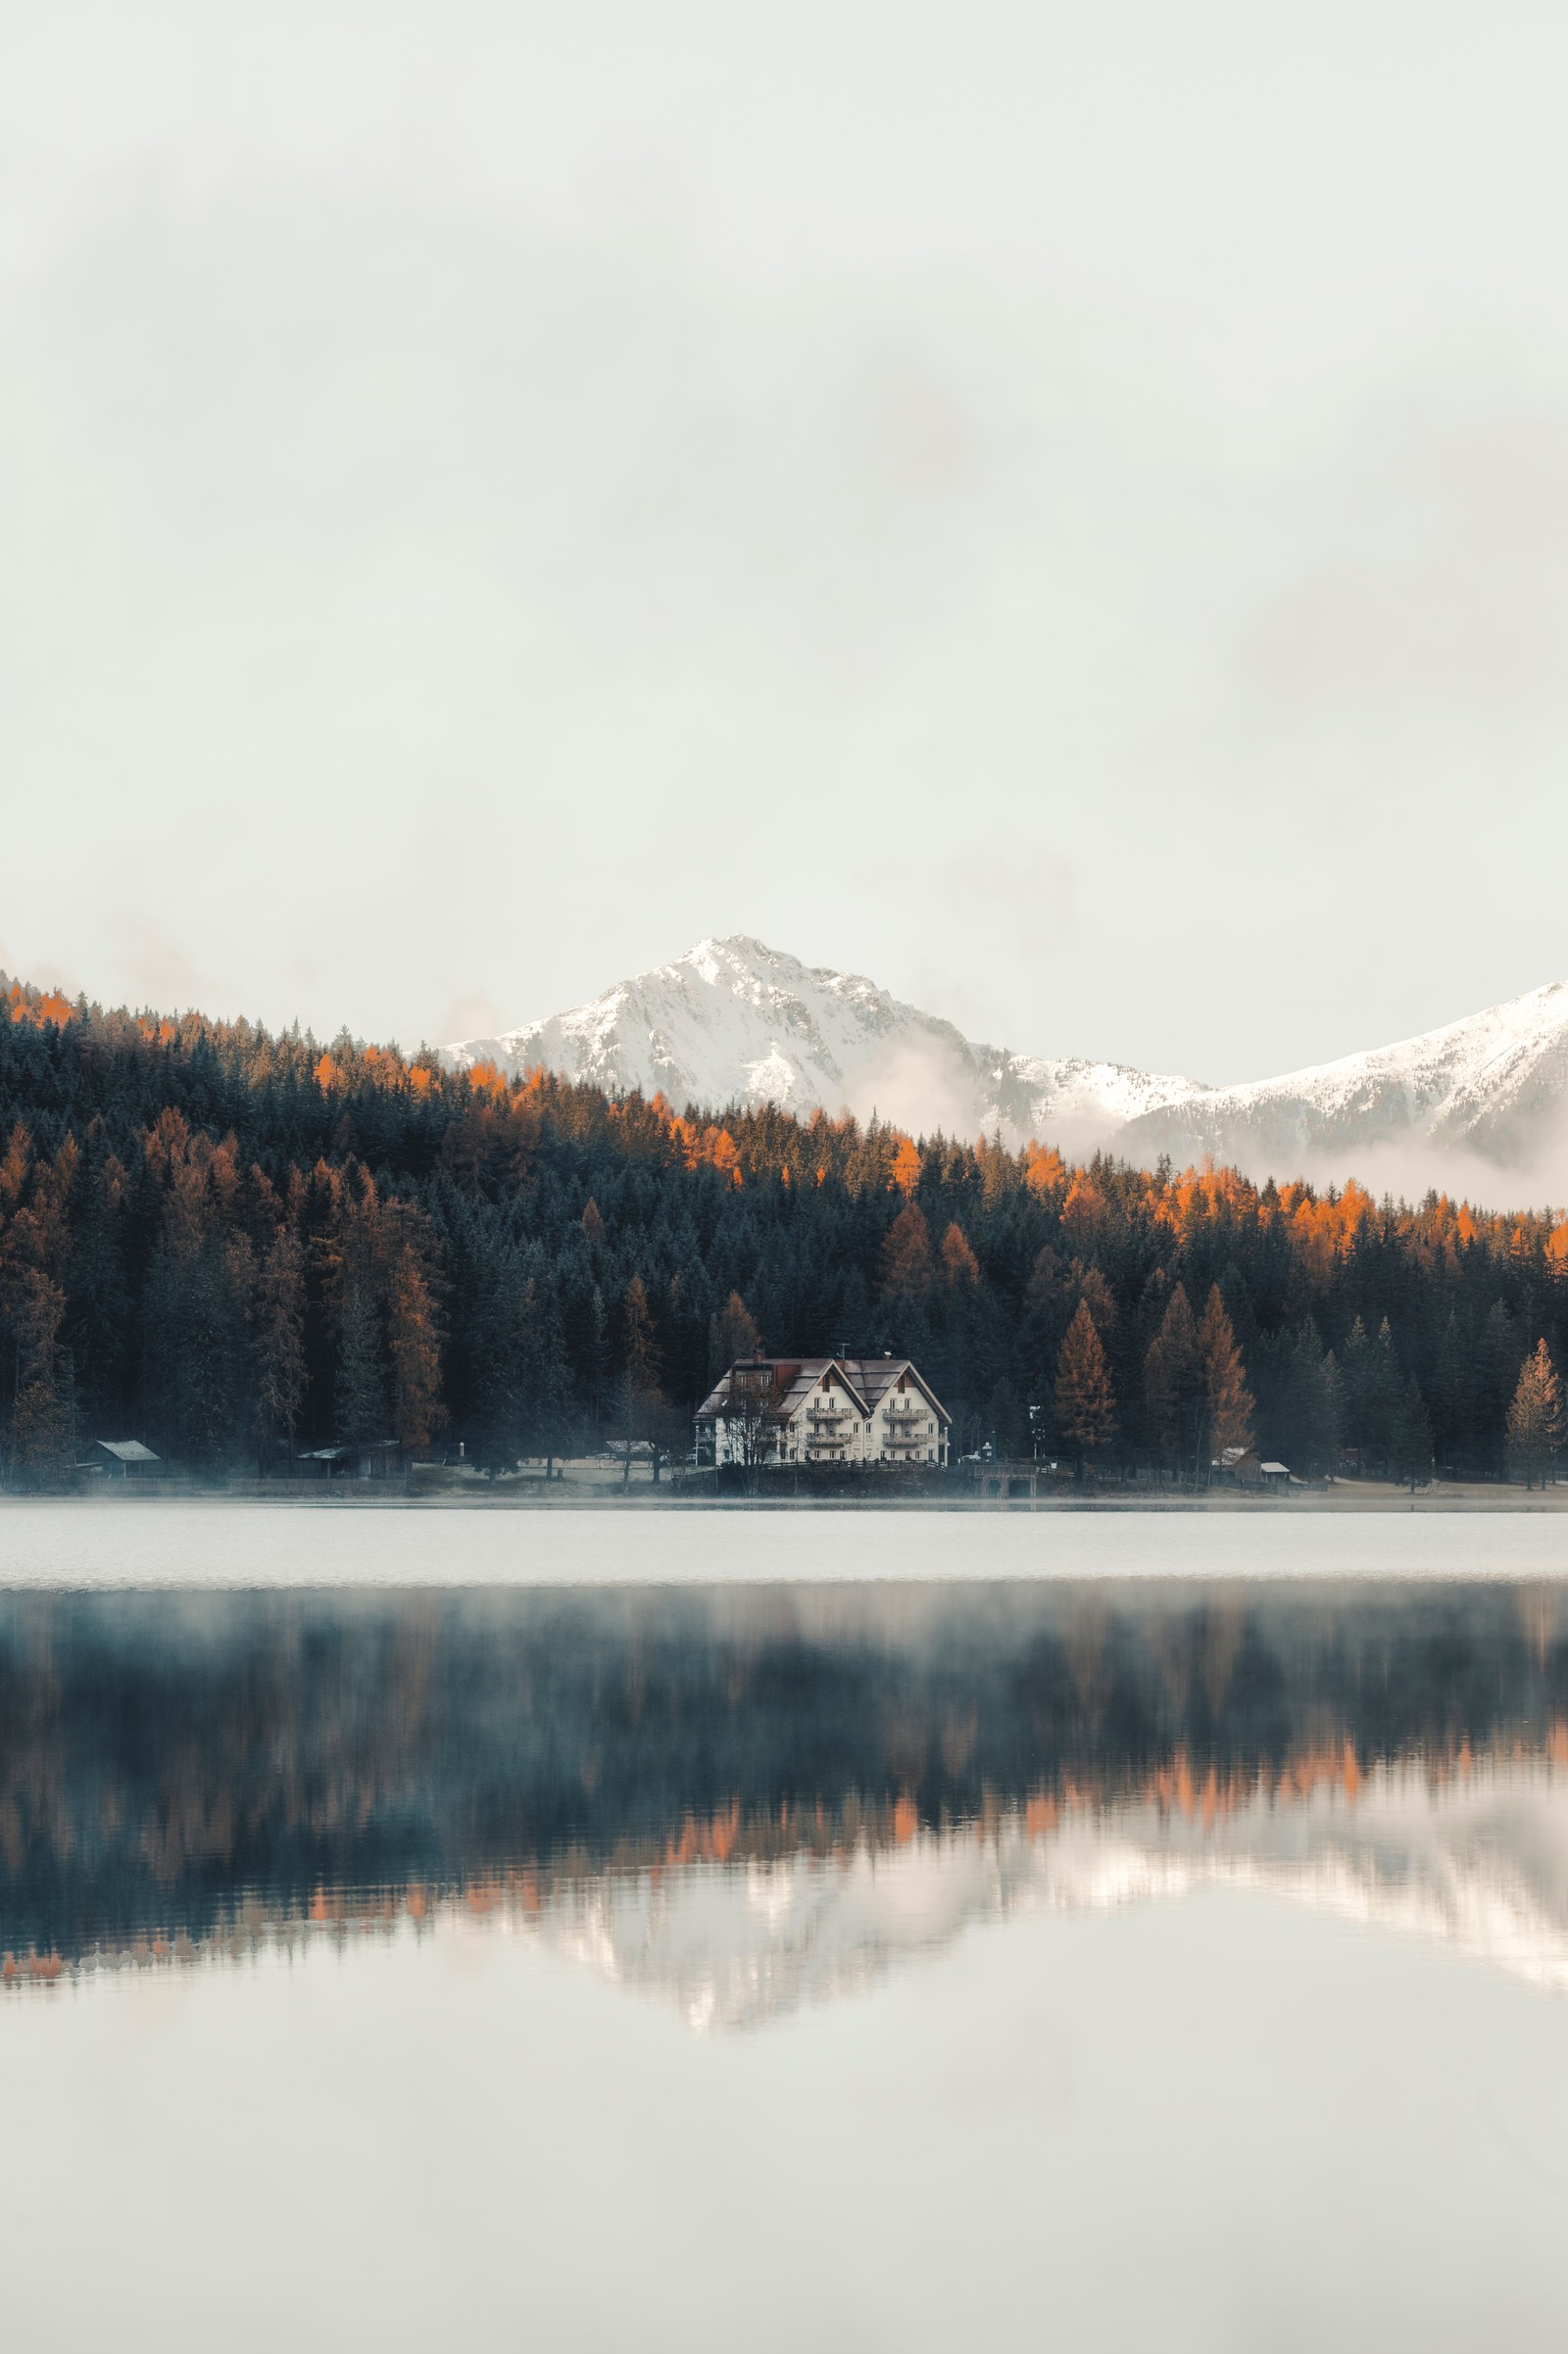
{"x":747,"y":1800}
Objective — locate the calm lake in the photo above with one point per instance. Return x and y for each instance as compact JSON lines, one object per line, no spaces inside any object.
{"x":586,"y":1931}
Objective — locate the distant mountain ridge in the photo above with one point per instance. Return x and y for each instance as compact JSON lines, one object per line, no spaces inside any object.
{"x":733,"y":1020}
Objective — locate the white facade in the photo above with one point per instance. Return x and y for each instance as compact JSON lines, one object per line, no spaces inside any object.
{"x":823,"y":1410}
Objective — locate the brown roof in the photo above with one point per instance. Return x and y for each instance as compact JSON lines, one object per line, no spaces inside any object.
{"x":877,"y":1375}
{"x":794,"y":1378}
{"x":866,"y":1379}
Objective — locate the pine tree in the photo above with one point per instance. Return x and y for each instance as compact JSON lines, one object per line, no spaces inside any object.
{"x":1228,"y":1398}
{"x":1451,"y":1405}
{"x":195,"y":1308}
{"x":906,"y":1256}
{"x":642,"y":1410}
{"x":959,"y":1267}
{"x":1331,"y":1394}
{"x":643,"y":1358}
{"x":43,"y":1422}
{"x":1497,"y":1374}
{"x":1086,"y":1406}
{"x":550,"y":1377}
{"x":1175,"y":1387}
{"x":1411,"y":1445}
{"x":99,"y":1315}
{"x":1385,"y":1394}
{"x":412,"y":1323}
{"x":731,"y":1334}
{"x":1093,"y":1289}
{"x":1355,"y":1375}
{"x":1536,"y":1418}
{"x":359,"y":1394}
{"x":1045,"y":1320}
{"x":597,"y":1360}
{"x":1313,"y":1406}
{"x":496,"y":1346}
{"x":1009,"y":1423}
{"x":278,"y":1298}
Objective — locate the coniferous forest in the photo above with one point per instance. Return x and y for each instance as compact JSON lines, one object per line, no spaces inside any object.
{"x":239,"y":1247}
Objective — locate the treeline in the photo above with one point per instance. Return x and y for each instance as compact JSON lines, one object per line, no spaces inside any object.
{"x":237,"y":1245}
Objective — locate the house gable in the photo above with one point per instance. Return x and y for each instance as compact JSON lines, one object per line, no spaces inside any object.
{"x":828,"y":1410}
{"x":879,"y":1377}
{"x":813,"y":1409}
{"x":918,"y":1381}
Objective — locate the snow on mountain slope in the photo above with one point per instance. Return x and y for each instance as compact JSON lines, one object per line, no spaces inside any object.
{"x":1494,"y":1086}
{"x":733,"y":1020}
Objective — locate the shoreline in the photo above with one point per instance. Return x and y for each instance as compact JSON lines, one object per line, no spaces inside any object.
{"x":1344,"y":1499}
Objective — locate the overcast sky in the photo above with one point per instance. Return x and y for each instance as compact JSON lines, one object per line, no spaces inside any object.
{"x":1061,"y":509}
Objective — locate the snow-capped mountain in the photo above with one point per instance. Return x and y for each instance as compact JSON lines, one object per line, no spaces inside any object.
{"x":1495,"y":1085}
{"x":733,"y":1020}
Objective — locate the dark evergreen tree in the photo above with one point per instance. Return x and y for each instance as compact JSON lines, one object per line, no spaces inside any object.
{"x":1410,"y":1446}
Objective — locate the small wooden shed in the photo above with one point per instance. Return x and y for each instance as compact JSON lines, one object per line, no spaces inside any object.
{"x":130,"y":1456}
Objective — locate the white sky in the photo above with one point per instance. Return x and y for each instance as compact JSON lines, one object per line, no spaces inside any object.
{"x":1063,"y":510}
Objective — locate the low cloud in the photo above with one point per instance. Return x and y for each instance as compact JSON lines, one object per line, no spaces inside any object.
{"x":919,"y":1086}
{"x":38,"y":972}
{"x":475,"y":1015}
{"x":156,"y":970}
{"x":1409,"y":1169}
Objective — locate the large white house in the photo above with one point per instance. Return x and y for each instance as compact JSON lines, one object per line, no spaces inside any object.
{"x":822,"y":1409}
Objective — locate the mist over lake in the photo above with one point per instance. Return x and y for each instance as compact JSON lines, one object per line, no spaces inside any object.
{"x":420,"y":1882}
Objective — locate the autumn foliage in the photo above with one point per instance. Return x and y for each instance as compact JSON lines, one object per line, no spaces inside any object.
{"x":1536,"y":1427}
{"x":1086,"y":1406}
{"x":240,"y":1245}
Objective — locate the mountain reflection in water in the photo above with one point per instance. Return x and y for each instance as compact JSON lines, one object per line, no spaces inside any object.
{"x":748,"y":1799}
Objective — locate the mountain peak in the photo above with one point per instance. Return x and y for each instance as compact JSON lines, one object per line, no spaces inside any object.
{"x":733,"y":1020}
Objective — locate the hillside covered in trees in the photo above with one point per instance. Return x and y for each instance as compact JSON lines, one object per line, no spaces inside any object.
{"x":237,"y":1245}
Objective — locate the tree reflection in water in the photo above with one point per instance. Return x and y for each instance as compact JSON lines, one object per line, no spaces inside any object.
{"x":747,"y":1798}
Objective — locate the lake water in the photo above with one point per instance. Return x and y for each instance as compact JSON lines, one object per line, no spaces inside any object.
{"x":586,"y":1931}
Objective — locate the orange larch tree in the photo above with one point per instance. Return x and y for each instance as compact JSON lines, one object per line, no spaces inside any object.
{"x":906,"y":1256}
{"x":1228,"y":1398}
{"x":1086,"y":1404}
{"x":1536,"y":1426}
